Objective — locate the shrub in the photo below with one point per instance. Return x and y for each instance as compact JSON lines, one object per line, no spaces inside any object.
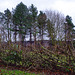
{"x":13,"y":57}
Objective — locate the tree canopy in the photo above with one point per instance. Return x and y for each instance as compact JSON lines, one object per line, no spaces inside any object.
{"x":26,"y":23}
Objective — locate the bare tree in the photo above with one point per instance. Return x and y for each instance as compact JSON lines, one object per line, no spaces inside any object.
{"x":57,"y":20}
{"x":3,"y":34}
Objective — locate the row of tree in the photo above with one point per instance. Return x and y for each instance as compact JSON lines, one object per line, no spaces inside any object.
{"x":22,"y":23}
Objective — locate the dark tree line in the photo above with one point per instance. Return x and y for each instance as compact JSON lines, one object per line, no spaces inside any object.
{"x":22,"y":23}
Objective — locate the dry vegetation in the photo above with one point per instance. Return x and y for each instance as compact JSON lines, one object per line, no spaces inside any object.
{"x":61,"y":58}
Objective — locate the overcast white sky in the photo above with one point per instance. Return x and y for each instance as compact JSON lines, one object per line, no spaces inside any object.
{"x":67,"y":7}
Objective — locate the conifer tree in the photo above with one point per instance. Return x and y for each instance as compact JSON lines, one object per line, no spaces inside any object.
{"x":7,"y":16}
{"x":42,"y":25}
{"x":69,"y":28}
{"x":34,"y":12}
{"x":51,"y":32}
{"x":19,"y":20}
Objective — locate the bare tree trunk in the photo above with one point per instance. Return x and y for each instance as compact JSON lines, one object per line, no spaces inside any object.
{"x":42,"y":37}
{"x":15,"y":36}
{"x":20,"y":38}
{"x":30,"y":36}
{"x":35,"y":40}
{"x":8,"y":31}
{"x":35,"y":36}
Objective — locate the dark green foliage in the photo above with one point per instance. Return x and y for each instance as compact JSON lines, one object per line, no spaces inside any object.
{"x":20,"y":20}
{"x":42,"y":18}
{"x":42,"y":21}
{"x":20,"y":14}
{"x":33,"y":15}
{"x":69,"y":28}
{"x":33,"y":12}
{"x":51,"y":32}
{"x":13,"y":57}
{"x":7,"y":17}
{"x":69,"y":22}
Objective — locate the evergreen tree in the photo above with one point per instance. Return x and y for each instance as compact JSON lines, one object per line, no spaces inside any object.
{"x":19,"y":20}
{"x":29,"y":26}
{"x":2,"y":28}
{"x":42,"y":25}
{"x":7,"y":16}
{"x":34,"y":12}
{"x":69,"y":28}
{"x":50,"y":30}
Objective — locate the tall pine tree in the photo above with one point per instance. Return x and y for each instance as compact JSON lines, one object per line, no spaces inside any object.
{"x":19,"y":20}
{"x":7,"y":16}
{"x":42,"y":20}
{"x":69,"y":28}
{"x":34,"y":12}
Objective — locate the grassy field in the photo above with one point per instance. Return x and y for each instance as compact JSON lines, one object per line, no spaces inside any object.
{"x":14,"y":72}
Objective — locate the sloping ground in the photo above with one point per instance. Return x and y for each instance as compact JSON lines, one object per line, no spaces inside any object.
{"x":49,"y":72}
{"x":36,"y":72}
{"x":40,"y":72}
{"x":11,"y":70}
{"x":42,"y":61}
{"x":14,"y":72}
